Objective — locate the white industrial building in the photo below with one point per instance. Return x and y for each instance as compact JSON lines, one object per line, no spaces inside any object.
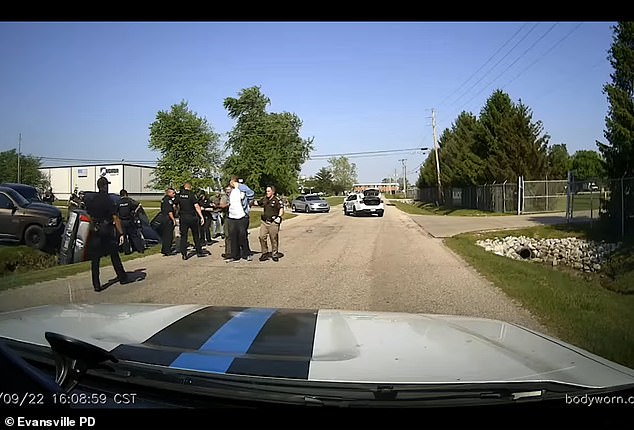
{"x":131,"y":177}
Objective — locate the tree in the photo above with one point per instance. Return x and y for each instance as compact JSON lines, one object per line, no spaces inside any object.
{"x":188,"y":147}
{"x":323,"y":180}
{"x":510,"y":142}
{"x":618,"y":152}
{"x":559,"y":162}
{"x":459,"y":165}
{"x":29,"y":169}
{"x":588,"y":165}
{"x":344,"y":173}
{"x":266,"y":148}
{"x":427,"y":174}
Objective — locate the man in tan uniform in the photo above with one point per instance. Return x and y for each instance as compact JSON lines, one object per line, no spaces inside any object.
{"x":270,"y":224}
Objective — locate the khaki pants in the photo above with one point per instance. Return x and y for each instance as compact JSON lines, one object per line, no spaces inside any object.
{"x":269,"y":229}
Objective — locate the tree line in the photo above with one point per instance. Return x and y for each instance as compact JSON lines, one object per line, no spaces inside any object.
{"x":265,"y":148}
{"x":504,"y":142}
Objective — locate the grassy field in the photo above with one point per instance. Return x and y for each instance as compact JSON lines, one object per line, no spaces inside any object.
{"x":574,"y":306}
{"x":580,"y":202}
{"x":334,"y":200}
{"x":419,"y":208}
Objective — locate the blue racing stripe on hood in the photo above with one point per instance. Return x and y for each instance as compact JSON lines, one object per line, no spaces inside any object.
{"x":232,"y":339}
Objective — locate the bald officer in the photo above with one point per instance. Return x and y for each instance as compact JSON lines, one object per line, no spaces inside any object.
{"x":188,"y":209}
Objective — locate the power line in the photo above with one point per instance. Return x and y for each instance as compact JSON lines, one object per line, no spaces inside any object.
{"x":360,"y":154}
{"x":482,"y":66}
{"x":495,"y":65}
{"x":544,"y":54}
{"x":512,"y":64}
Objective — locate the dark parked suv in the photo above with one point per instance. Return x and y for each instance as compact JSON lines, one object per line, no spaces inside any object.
{"x":38,"y":225}
{"x":27,"y":191}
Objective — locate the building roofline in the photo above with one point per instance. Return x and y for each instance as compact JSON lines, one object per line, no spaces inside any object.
{"x":97,"y":165}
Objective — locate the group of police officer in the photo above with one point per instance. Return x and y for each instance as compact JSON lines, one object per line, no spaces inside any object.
{"x":110,"y":221}
{"x":191,"y":214}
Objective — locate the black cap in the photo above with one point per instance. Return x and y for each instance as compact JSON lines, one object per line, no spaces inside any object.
{"x":102,"y":182}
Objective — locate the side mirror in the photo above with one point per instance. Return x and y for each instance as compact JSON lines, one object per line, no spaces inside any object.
{"x":73,"y":358}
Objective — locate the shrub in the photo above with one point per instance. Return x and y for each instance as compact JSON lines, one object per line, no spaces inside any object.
{"x":20,"y":259}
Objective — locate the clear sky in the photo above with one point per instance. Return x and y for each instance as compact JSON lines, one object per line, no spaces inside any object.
{"x":91,"y":90}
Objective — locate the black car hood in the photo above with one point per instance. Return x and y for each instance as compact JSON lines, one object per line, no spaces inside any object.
{"x":44,"y":208}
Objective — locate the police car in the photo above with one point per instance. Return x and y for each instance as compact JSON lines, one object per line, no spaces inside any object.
{"x":198,"y":355}
{"x":367,"y":202}
{"x":76,"y":234}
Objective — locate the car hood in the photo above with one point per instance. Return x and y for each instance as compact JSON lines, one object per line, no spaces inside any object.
{"x":44,"y":208}
{"x":317,"y":345}
{"x":312,"y":202}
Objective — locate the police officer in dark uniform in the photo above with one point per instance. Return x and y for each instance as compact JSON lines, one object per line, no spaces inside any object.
{"x":188,"y":209}
{"x":127,"y":210}
{"x":207,"y":208}
{"x":105,"y":226}
{"x":167,"y":222}
{"x":270,"y":224}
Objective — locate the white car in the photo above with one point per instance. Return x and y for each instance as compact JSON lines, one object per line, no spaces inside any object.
{"x":370,"y":202}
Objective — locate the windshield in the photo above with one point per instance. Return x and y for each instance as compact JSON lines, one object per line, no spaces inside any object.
{"x":17,"y":197}
{"x":354,"y":206}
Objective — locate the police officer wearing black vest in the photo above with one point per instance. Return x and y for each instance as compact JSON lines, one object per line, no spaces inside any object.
{"x":104,"y":226}
{"x":167,"y":221}
{"x":127,"y":210}
{"x":188,"y":208}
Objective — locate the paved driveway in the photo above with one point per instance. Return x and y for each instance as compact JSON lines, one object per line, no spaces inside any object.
{"x":330,"y":261}
{"x":446,"y":226}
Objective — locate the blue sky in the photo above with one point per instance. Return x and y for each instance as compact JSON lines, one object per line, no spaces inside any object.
{"x":91,"y":90}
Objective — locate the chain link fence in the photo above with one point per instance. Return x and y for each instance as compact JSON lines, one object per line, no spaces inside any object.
{"x":608,"y":200}
{"x":489,"y":197}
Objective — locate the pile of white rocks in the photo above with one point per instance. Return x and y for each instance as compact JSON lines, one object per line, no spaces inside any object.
{"x":581,"y":254}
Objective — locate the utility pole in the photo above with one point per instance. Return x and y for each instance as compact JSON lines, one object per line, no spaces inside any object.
{"x":19,"y":150}
{"x":436,"y":155}
{"x":403,"y":160}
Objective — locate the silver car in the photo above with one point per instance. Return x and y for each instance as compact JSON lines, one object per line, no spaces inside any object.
{"x":310,"y":203}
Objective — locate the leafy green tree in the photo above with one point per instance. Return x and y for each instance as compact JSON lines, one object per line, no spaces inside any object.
{"x":588,"y":165}
{"x":344,"y":174}
{"x":29,"y":169}
{"x":559,"y":162}
{"x":188,"y":146}
{"x":266,"y":148}
{"x":618,"y":152}
{"x":323,"y":180}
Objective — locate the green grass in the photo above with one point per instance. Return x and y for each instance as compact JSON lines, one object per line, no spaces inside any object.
{"x":581,"y":202}
{"x":573,"y":306}
{"x":334,"y":200}
{"x":419,"y":208}
{"x":62,"y":271}
{"x":254,"y":217}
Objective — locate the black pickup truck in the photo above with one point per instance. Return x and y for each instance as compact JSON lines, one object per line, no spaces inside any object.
{"x":38,"y":225}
